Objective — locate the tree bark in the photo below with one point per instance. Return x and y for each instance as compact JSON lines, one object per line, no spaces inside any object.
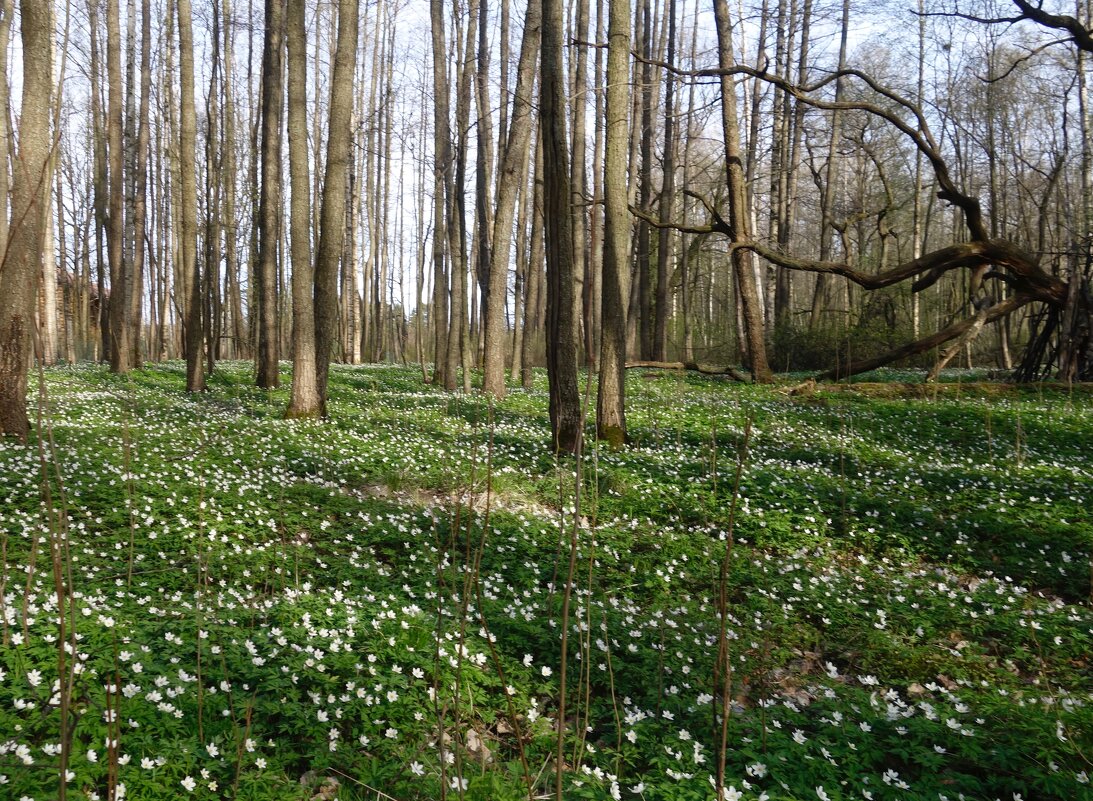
{"x":21,"y":265}
{"x":305,"y":401}
{"x":754,"y":347}
{"x":442,"y":146}
{"x":510,"y":177}
{"x":611,"y":400}
{"x":565,"y":411}
{"x":332,"y":215}
{"x":7,"y":13}
{"x":269,"y":201}
{"x":191,"y":279}
{"x":119,"y":348}
{"x":667,"y":196}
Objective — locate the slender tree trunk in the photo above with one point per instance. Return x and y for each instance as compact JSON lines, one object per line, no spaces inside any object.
{"x":667,"y":197}
{"x":231,"y":254}
{"x":511,"y":176}
{"x":645,"y":321}
{"x":565,"y":409}
{"x":533,"y":316}
{"x":820,"y":299}
{"x":917,"y":217}
{"x":523,"y":260}
{"x":47,"y":300}
{"x":101,"y":183}
{"x":442,"y":147}
{"x":213,"y":178}
{"x":483,"y":206}
{"x":191,"y":278}
{"x":611,"y":401}
{"x":332,"y":215}
{"x":579,"y":207}
{"x":594,"y":264}
{"x":139,"y":180}
{"x":305,"y":401}
{"x":269,"y":202}
{"x":119,"y":348}
{"x":754,"y":345}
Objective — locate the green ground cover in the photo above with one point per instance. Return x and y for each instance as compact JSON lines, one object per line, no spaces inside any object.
{"x":263,"y":606}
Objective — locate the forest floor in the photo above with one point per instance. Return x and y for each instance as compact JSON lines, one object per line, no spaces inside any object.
{"x":371,"y":607}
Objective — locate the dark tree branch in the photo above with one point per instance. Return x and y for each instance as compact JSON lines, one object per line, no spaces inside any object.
{"x":1079,"y":34}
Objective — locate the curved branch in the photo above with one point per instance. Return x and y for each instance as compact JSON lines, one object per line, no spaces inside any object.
{"x":919,"y":133}
{"x":1080,"y":34}
{"x":656,"y":222}
{"x":1028,"y":275}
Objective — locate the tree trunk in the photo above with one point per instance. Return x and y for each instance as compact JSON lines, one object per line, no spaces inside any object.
{"x":645,"y":322}
{"x":7,"y":12}
{"x":442,"y":148}
{"x":118,"y":341}
{"x":754,"y":346}
{"x":483,"y":206}
{"x":611,"y":401}
{"x":511,"y":176}
{"x":231,"y":256}
{"x":565,"y":410}
{"x":305,"y":401}
{"x":533,"y":306}
{"x":667,"y":197}
{"x":579,"y":208}
{"x":820,"y":299}
{"x":191,"y":279}
{"x":213,"y":176}
{"x":332,"y":215}
{"x":269,"y":202}
{"x":21,"y":265}
{"x":456,"y":211}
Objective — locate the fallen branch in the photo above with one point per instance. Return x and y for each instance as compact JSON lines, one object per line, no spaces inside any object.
{"x":704,"y":369}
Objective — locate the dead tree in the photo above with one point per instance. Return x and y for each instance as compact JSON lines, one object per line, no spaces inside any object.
{"x":986,"y":261}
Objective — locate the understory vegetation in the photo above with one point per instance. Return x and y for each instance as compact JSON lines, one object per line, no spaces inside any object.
{"x":370,"y":607}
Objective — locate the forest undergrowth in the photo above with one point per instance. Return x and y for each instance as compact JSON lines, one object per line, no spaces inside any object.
{"x":874,"y":592}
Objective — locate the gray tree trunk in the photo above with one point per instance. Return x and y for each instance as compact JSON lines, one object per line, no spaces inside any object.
{"x":332,"y":215}
{"x":611,"y":402}
{"x":754,"y":346}
{"x":442,"y":148}
{"x":30,"y":187}
{"x":269,"y":201}
{"x":305,"y":401}
{"x":511,"y":176}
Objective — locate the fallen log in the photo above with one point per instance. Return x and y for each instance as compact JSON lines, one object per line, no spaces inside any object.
{"x":704,"y":369}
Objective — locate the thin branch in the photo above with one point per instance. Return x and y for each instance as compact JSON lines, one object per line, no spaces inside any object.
{"x":919,"y":133}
